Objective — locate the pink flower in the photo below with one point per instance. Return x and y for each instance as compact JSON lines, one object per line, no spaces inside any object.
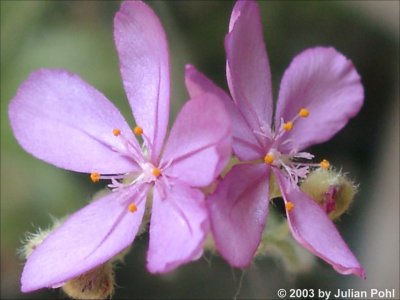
{"x":62,"y":120}
{"x":319,"y":93}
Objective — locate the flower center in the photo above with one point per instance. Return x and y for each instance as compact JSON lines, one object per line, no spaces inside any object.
{"x":133,"y":182}
{"x":295,"y":164}
{"x":150,"y":173}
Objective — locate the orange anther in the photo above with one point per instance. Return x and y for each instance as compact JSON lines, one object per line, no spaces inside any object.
{"x":132,"y":207}
{"x":288,"y":126}
{"x":269,"y":159}
{"x":156,"y":172}
{"x":324,"y":164}
{"x":116,"y":132}
{"x":304,"y":113}
{"x":289,"y":206}
{"x":138,"y":130}
{"x":95,"y":177}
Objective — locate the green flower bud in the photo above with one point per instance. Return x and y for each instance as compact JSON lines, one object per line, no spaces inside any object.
{"x":274,"y":189}
{"x":34,"y":239}
{"x":97,"y":283}
{"x":331,"y":189}
{"x":278,"y":243}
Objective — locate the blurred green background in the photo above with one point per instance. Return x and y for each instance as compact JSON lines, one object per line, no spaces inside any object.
{"x":77,"y":35}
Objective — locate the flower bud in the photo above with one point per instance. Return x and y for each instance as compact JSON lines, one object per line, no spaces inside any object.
{"x":209,"y":244}
{"x":34,"y":239}
{"x":277,"y":243}
{"x":97,"y":283}
{"x":274,"y":189}
{"x":332,"y":190}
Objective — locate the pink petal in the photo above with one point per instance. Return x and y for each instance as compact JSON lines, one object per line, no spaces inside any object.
{"x":143,"y":52}
{"x":62,"y":120}
{"x":326,"y":83}
{"x":88,"y":238}
{"x":248,"y":72}
{"x":244,"y":142}
{"x":199,"y":145}
{"x":178,"y":228}
{"x":238,"y":211}
{"x":313,"y":229}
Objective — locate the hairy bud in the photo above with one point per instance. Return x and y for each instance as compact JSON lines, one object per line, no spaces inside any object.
{"x":34,"y":239}
{"x":330,"y":189}
{"x":277,"y":243}
{"x":97,"y":283}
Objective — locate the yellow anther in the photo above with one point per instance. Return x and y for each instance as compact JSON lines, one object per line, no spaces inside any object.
{"x":132,"y":207}
{"x":289,"y":206}
{"x":138,"y":130}
{"x":269,"y":159}
{"x":288,"y":126}
{"x":156,"y":172}
{"x":116,"y":132}
{"x":324,"y":164}
{"x":304,"y":113}
{"x":95,"y":177}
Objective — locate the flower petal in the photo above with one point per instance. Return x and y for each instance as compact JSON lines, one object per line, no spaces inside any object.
{"x":313,"y":229}
{"x":199,"y":145}
{"x":248,"y":72}
{"x":238,"y":211}
{"x":62,"y":120}
{"x":143,"y":52}
{"x":178,"y":228}
{"x":88,"y":238}
{"x":244,"y":141}
{"x":325,"y":83}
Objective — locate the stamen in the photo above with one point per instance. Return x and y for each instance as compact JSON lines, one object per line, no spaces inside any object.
{"x":132,"y":207}
{"x":324,"y":164}
{"x":95,"y":177}
{"x":289,"y":206}
{"x":116,"y":132}
{"x":304,"y":113}
{"x":269,"y":159}
{"x":138,"y":130}
{"x":156,"y":172}
{"x":288,"y":126}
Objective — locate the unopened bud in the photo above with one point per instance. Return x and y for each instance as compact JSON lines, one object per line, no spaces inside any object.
{"x":209,"y":244}
{"x":97,"y":283}
{"x":34,"y":239}
{"x":332,"y":190}
{"x":274,"y":189}
{"x":277,"y":243}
